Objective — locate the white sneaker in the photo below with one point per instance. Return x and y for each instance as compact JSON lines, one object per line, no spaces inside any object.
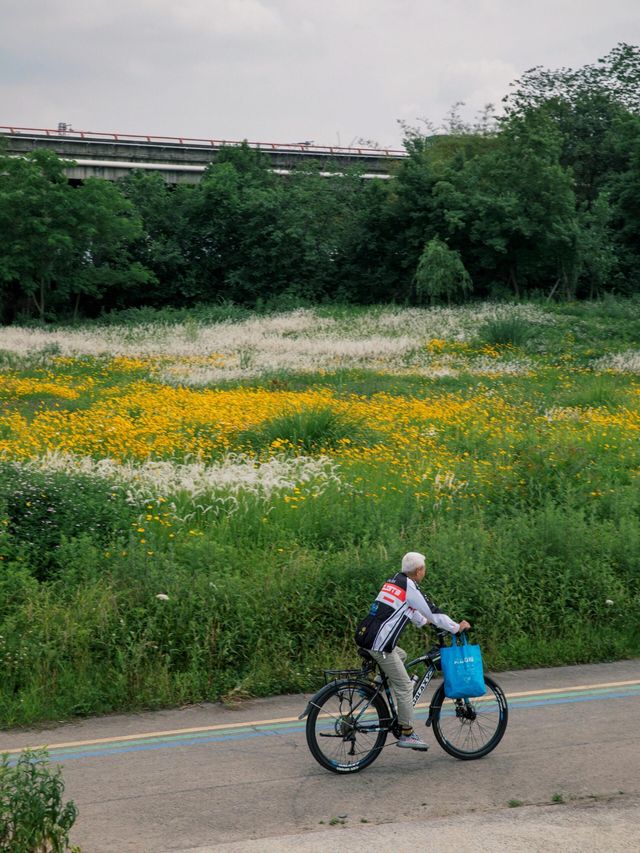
{"x":412,"y":741}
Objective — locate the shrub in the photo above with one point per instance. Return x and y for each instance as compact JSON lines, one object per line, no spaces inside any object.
{"x":43,"y":508}
{"x":201,"y":313}
{"x":32,"y":814}
{"x":312,"y":430}
{"x":503,"y":331}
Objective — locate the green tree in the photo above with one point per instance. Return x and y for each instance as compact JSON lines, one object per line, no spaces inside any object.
{"x":162,"y":246}
{"x":371,"y":269}
{"x":59,"y":243}
{"x":36,"y":229}
{"x":254,"y":235}
{"x":214,"y":244}
{"x":598,"y":259}
{"x":584,"y":104}
{"x":593,"y":108}
{"x":441,"y":274}
{"x":510,"y":211}
{"x":105,"y":225}
{"x":615,"y":76}
{"x":396,"y":218}
{"x":624,"y":201}
{"x":317,"y":215}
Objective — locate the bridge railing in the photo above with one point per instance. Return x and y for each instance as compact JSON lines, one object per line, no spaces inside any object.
{"x":298,"y":147}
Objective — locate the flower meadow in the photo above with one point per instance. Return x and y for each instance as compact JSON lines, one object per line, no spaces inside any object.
{"x":194,"y":510}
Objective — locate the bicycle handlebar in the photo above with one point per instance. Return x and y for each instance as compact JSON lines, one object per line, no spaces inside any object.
{"x":442,"y":634}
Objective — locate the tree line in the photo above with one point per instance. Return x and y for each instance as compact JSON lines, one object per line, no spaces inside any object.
{"x":543,"y":200}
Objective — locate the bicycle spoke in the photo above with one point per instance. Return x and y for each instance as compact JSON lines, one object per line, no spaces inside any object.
{"x":469,"y":728}
{"x":348,"y":728}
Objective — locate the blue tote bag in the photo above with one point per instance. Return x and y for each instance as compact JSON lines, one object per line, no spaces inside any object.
{"x":462,"y":669}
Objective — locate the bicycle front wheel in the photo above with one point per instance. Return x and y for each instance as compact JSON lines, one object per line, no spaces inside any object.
{"x":470,"y":728}
{"x":347,"y":726}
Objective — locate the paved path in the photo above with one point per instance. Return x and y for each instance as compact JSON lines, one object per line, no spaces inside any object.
{"x":209,"y":778}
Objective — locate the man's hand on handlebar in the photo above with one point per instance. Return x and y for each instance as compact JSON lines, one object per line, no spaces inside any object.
{"x":464,"y":626}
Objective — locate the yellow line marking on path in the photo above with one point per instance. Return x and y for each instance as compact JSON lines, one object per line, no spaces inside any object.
{"x":568,"y":689}
{"x":552,"y":690}
{"x":253,"y":723}
{"x":195,"y":730}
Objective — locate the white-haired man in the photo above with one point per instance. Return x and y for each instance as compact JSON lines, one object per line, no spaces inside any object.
{"x":398,"y":602}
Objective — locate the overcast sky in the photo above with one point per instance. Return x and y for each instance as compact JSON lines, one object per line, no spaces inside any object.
{"x":284,"y":70}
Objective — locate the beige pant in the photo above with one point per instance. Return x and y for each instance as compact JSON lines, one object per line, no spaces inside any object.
{"x":392,"y":663}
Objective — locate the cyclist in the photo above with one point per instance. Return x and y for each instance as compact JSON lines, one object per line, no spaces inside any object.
{"x":398,"y":602}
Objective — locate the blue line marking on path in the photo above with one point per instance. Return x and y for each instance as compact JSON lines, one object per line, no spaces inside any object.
{"x":113,"y":748}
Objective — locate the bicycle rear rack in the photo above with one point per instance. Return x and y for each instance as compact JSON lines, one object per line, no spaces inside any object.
{"x":346,"y":674}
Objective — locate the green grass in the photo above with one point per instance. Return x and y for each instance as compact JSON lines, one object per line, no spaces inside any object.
{"x":364,"y":383}
{"x":214,"y":313}
{"x":100,"y":371}
{"x":263,"y":593}
{"x":590,"y":328}
{"x":506,"y":331}
{"x":595,"y":391}
{"x":308,"y":431}
{"x":261,"y":607}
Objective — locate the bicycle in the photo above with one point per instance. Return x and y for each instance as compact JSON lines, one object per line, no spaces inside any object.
{"x":349,"y":719}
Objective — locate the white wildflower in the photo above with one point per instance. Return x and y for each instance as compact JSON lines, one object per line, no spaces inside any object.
{"x":563,"y":413}
{"x":387,"y":339}
{"x":446,"y":483}
{"x":622,"y":362}
{"x":162,"y":597}
{"x":235,"y":474}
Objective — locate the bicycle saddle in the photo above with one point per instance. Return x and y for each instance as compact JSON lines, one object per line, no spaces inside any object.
{"x":364,"y":654}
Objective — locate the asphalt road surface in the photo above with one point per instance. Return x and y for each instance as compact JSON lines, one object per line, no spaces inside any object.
{"x":207,"y":778}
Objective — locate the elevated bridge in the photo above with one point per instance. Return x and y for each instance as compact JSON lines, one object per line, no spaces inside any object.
{"x":181,"y":159}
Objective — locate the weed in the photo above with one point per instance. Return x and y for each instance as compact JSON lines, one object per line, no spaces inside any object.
{"x":224,"y":311}
{"x":32,"y":813}
{"x":235,"y":697}
{"x":596,"y":391}
{"x":514,"y":804}
{"x":503,"y":331}
{"x":43,"y":509}
{"x":246,"y":357}
{"x":307,"y":431}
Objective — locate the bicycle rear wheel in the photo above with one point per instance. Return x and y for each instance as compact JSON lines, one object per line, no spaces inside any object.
{"x":347,"y":726}
{"x":470,"y":728}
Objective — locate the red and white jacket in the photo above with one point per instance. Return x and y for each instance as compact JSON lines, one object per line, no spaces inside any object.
{"x":398,"y":602}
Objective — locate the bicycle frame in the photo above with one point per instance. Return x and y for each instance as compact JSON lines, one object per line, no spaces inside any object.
{"x":430,"y":658}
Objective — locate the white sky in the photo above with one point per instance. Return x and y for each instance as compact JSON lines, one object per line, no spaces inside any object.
{"x":284,"y":70}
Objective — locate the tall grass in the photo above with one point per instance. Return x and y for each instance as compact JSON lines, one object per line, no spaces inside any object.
{"x":316,"y":429}
{"x":145,"y":584}
{"x":263,"y":598}
{"x":502,"y":331}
